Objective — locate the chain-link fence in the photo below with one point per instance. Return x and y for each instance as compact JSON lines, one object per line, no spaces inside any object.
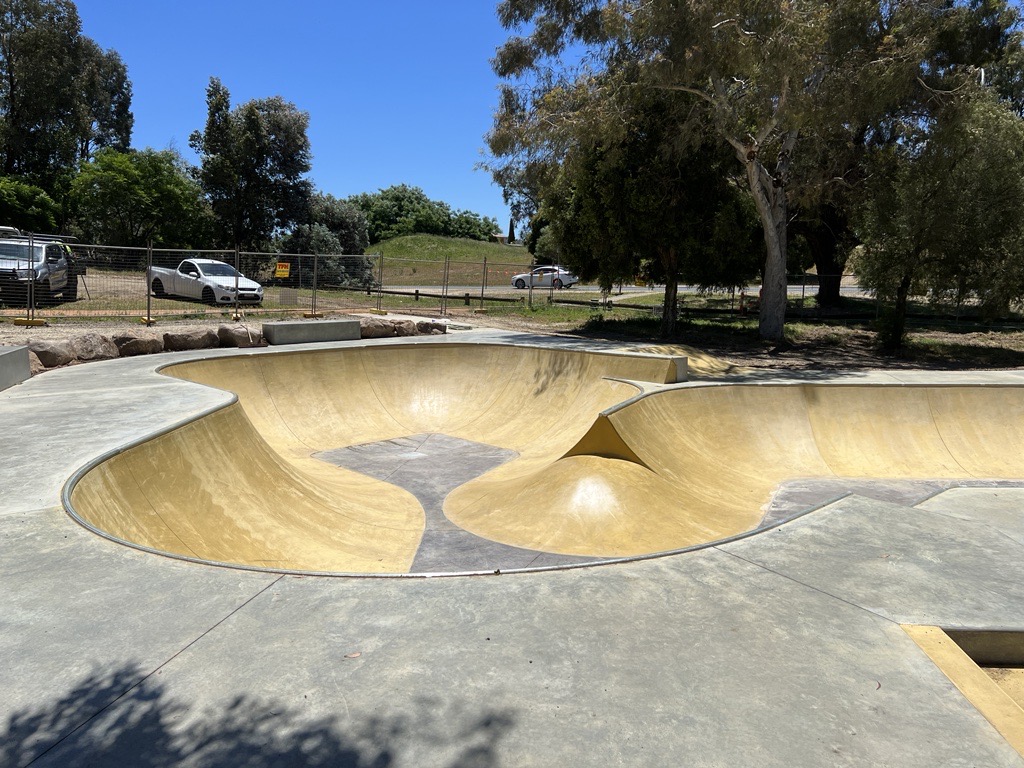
{"x":42,"y":278}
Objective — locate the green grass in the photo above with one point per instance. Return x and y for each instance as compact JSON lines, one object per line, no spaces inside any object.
{"x":419,"y":260}
{"x":433,"y":248}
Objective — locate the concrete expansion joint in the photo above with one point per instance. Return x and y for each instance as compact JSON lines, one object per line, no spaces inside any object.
{"x":811,"y":587}
{"x":154,"y":671}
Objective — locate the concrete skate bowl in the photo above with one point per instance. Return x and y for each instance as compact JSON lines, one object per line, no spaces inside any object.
{"x":462,"y":458}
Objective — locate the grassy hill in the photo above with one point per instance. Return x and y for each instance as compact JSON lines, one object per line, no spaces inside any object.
{"x":434,"y":248}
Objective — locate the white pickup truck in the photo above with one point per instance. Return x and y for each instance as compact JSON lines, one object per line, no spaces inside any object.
{"x":207,"y":280}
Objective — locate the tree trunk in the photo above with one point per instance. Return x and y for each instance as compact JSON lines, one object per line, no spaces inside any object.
{"x":823,"y":233}
{"x":899,"y":318}
{"x":670,"y":312}
{"x":770,"y":200}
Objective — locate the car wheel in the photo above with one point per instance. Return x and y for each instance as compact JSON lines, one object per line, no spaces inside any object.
{"x":557,"y":284}
{"x":209,"y":297}
{"x":520,"y":283}
{"x":158,"y":289}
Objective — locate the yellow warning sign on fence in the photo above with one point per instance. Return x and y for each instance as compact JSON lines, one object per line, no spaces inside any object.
{"x":283,"y":269}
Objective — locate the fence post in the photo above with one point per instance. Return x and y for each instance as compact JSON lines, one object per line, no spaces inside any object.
{"x":30,"y":299}
{"x":483,"y":284}
{"x":380,"y":282}
{"x":148,"y":319}
{"x":316,"y":281}
{"x":235,"y":314}
{"x":444,"y":285}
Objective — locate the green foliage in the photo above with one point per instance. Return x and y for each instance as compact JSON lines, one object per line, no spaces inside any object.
{"x":404,"y":210}
{"x":633,"y":201}
{"x":61,"y":96}
{"x":132,"y":198}
{"x":769,"y":79}
{"x":26,"y":207}
{"x":254,"y":160}
{"x":333,"y":268}
{"x":343,"y":219}
{"x":945,"y":214}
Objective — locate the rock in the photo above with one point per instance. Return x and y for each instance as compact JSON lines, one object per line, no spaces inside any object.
{"x":132,"y":344}
{"x":239,"y":336}
{"x":374,"y":328}
{"x":34,"y":365}
{"x":405,"y":327}
{"x":437,"y":332}
{"x":93,"y":346}
{"x":183,"y":340}
{"x":431,"y":328}
{"x":52,"y":354}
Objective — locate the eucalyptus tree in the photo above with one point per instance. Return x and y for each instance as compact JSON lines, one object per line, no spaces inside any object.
{"x":638,"y":200}
{"x":764,"y":76}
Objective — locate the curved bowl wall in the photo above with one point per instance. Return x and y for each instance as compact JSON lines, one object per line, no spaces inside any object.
{"x":671,"y":469}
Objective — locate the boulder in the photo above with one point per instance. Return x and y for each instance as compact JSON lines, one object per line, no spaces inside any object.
{"x":52,"y":354}
{"x":375,"y":328}
{"x":180,"y":341}
{"x":430,"y":328}
{"x":34,"y":365}
{"x":239,"y":336}
{"x":132,"y":344}
{"x":405,"y":327}
{"x":93,"y":346}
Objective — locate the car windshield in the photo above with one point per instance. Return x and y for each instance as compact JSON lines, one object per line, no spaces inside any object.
{"x":19,"y":251}
{"x":219,"y":270}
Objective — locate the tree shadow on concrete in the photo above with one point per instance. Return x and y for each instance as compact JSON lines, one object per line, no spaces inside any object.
{"x":124,"y":718}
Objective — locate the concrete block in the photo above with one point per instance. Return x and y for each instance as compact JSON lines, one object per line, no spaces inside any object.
{"x":682,"y":372}
{"x":14,"y":367}
{"x":306,"y":331}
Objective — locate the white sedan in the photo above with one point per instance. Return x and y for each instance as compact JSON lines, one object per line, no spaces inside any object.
{"x":545,"y":277}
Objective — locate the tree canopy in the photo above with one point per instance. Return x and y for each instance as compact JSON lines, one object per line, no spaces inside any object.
{"x":945,"y":213}
{"x":136,"y":197}
{"x":26,"y":207}
{"x":769,"y":79}
{"x":254,"y":159}
{"x":61,"y":96}
{"x":629,"y":199}
{"x":404,"y":210}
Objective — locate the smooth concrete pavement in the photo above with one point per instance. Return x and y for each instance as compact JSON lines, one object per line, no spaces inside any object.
{"x":780,"y":649}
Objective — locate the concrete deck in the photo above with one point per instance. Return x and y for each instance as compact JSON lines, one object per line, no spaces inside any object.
{"x":782,"y":649}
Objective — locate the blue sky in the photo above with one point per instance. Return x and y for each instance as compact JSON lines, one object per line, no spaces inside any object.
{"x":397,"y":92}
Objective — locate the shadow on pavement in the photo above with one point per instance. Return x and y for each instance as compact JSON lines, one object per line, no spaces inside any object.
{"x":123,"y":718}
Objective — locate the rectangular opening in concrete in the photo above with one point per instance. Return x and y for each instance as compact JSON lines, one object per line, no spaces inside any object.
{"x":987,"y":667}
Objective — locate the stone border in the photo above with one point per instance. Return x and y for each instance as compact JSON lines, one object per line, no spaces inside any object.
{"x":89,"y":347}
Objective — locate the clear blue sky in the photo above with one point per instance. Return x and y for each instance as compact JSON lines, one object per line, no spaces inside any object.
{"x":397,"y":92}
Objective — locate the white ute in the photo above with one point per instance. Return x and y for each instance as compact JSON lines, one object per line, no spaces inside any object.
{"x":207,"y":280}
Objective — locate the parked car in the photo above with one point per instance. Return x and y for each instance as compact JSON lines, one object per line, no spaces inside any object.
{"x":545,"y":277}
{"x":40,"y":265}
{"x":207,"y":280}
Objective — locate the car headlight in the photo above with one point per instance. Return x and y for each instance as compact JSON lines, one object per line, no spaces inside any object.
{"x":229,"y":289}
{"x":25,"y":274}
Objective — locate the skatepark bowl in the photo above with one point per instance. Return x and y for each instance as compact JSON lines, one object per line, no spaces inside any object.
{"x":473,"y":458}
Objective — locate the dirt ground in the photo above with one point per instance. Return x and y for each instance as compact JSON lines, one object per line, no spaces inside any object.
{"x":809,"y":348}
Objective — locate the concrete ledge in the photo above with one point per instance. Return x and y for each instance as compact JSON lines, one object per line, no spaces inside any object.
{"x":304,"y":332}
{"x":14,"y":367}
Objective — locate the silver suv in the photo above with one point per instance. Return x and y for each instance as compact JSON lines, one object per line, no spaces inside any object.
{"x":36,"y":268}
